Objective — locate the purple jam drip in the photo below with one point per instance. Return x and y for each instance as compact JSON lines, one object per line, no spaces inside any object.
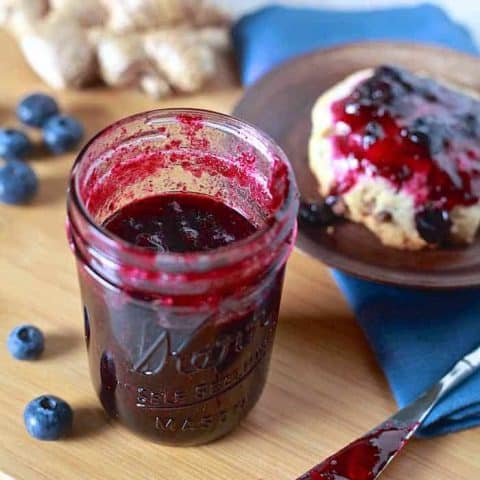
{"x":422,"y":137}
{"x":179,"y":222}
{"x":363,"y":459}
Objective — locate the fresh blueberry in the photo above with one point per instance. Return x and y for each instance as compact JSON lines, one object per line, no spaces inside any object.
{"x":14,"y":143}
{"x":433,"y":225}
{"x":18,"y":182}
{"x":25,"y":342}
{"x":48,"y":418}
{"x":62,"y":133}
{"x":35,"y":109}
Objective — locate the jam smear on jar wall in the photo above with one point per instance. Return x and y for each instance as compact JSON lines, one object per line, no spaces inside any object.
{"x":424,"y":138}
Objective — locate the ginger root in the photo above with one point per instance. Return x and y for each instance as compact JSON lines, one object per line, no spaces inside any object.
{"x":217,"y":38}
{"x":154,"y":85}
{"x":155,"y":45}
{"x":19,"y":15}
{"x":59,"y":52}
{"x":186,"y":63}
{"x":203,"y":14}
{"x":121,"y":58}
{"x":156,"y":60}
{"x":141,"y":15}
{"x":88,"y":13}
{"x":123,"y":61}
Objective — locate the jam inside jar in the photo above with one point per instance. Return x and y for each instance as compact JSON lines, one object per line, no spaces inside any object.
{"x":181,"y":222}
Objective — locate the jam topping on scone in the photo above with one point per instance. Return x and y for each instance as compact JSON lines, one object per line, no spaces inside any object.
{"x":421,"y":136}
{"x":402,"y":151}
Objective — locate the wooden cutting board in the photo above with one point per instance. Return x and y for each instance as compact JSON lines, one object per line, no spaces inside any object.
{"x":324,"y":386}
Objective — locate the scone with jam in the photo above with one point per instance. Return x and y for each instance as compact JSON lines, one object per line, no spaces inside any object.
{"x":400,"y":153}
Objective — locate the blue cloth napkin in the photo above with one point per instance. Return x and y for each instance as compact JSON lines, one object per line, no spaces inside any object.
{"x":417,"y":335}
{"x":272,"y":35}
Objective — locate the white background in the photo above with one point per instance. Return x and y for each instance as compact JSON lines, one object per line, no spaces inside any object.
{"x":465,"y":11}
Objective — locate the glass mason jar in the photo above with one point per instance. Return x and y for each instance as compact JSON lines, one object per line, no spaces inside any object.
{"x":179,"y":343}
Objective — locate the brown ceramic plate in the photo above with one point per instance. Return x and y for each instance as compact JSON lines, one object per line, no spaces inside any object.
{"x":280,"y":104}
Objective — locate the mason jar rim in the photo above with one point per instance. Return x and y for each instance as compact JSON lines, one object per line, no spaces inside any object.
{"x":235,"y":251}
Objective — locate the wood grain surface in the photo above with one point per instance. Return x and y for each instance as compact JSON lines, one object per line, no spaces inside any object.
{"x":281,"y":103}
{"x":324,"y":387}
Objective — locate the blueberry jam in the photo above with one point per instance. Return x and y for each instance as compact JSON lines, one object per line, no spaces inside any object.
{"x":179,"y":222}
{"x":422,"y":137}
{"x":181,"y":291}
{"x":193,"y":382}
{"x":365,"y":458}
